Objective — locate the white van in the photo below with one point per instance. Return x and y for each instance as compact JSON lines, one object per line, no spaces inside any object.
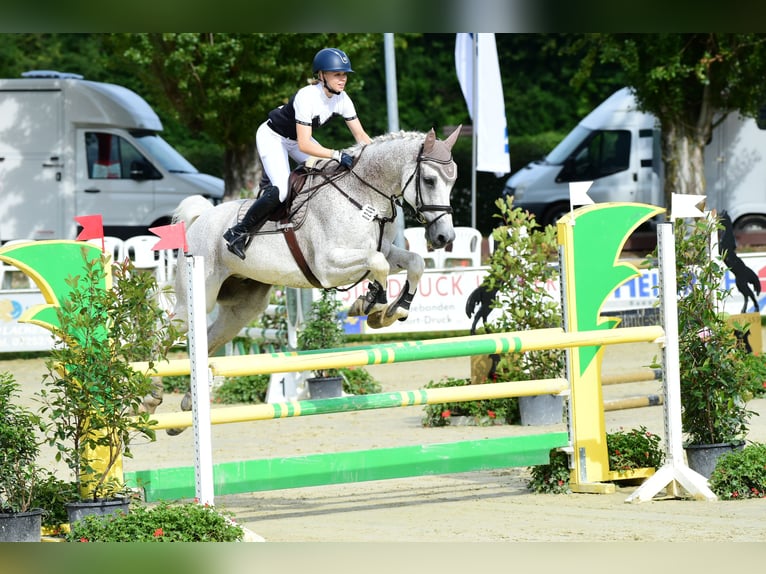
{"x":618,"y":148}
{"x":71,"y":147}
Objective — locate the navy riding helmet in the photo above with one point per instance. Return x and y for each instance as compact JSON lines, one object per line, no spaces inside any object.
{"x":331,"y":60}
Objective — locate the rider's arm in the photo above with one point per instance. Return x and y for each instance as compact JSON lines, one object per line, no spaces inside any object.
{"x":309,"y":146}
{"x":355,"y":126}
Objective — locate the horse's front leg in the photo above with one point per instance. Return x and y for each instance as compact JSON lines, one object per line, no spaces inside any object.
{"x":374,"y":301}
{"x":399,"y":309}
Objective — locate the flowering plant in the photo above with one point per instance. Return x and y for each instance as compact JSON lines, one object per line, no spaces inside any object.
{"x":485,"y":412}
{"x":627,"y":450}
{"x":740,"y":474}
{"x":165,"y":522}
{"x":635,"y":448}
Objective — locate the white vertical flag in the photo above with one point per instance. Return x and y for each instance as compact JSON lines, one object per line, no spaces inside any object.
{"x":490,"y":123}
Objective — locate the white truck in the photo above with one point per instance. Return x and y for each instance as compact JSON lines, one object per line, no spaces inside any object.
{"x":618,"y":148}
{"x":71,"y":147}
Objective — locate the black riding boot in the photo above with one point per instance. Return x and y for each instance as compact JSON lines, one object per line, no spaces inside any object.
{"x":236,"y":236}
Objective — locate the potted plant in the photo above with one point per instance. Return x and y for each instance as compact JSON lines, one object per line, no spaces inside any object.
{"x":718,"y":374}
{"x":628,"y":450}
{"x":91,"y":394}
{"x":19,"y":473}
{"x":520,"y":267}
{"x":323,"y":330}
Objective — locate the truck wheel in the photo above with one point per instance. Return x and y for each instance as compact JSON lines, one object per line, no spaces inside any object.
{"x":554,"y":213}
{"x":750,"y":223}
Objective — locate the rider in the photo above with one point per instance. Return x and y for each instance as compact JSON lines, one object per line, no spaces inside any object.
{"x":288,"y":134}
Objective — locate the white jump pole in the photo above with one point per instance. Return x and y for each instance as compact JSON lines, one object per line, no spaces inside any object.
{"x":200,"y":379}
{"x":674,"y":472}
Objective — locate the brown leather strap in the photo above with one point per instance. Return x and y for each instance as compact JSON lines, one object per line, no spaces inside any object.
{"x":292,"y":243}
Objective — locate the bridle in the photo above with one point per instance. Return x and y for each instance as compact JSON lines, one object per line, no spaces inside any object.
{"x":420,"y":207}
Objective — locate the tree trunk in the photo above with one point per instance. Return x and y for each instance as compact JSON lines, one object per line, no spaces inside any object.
{"x":685,"y":164}
{"x":242,"y":172}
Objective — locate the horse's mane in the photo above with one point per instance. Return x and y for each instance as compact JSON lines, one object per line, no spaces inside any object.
{"x":391,"y":136}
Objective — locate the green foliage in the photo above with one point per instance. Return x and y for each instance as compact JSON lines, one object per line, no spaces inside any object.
{"x":165,"y":522}
{"x":740,"y":474}
{"x":485,"y":412}
{"x":627,"y":450}
{"x":323,"y":329}
{"x":90,"y":391}
{"x":19,"y":448}
{"x":635,"y":448}
{"x":552,"y":478}
{"x":520,"y":268}
{"x":245,"y":389}
{"x":718,"y":375}
{"x":358,"y":381}
{"x":52,"y":494}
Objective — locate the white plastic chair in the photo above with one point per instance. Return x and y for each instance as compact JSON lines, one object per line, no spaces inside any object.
{"x":416,"y":242}
{"x":139,"y":249}
{"x":8,"y":272}
{"x":113,"y":245}
{"x":466,"y":248}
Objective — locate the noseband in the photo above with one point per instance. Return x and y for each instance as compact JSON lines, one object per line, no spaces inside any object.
{"x":420,"y":207}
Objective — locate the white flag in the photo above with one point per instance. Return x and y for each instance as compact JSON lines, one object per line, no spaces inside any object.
{"x":685,"y":206}
{"x":578,"y":193}
{"x":490,"y":124}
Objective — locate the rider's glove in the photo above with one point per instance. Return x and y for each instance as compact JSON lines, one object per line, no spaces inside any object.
{"x":343,"y":158}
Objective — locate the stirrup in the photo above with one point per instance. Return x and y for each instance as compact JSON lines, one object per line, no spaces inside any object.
{"x":236,"y":242}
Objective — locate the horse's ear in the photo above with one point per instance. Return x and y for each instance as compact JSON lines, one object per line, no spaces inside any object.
{"x":450,"y":141}
{"x":428,"y":144}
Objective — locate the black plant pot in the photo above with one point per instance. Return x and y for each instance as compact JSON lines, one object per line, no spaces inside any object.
{"x":702,"y":458}
{"x":21,"y":526}
{"x":82,"y":508}
{"x":325,"y":387}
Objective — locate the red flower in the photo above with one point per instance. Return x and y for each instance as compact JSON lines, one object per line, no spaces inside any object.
{"x":734,"y":494}
{"x":446,"y":414}
{"x":491,"y":414}
{"x":158,"y":533}
{"x":83,"y":539}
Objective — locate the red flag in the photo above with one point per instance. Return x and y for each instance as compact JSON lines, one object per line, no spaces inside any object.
{"x":171,"y":237}
{"x":92,"y":227}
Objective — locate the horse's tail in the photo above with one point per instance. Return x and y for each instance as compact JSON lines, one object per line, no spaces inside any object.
{"x":190,"y":209}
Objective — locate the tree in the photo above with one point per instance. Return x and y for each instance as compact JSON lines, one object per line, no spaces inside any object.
{"x":224,"y":85}
{"x":690,"y":82}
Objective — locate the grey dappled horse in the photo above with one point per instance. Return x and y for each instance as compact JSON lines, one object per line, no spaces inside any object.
{"x":344,"y":226}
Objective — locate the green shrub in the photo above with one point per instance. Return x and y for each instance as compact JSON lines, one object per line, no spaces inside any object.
{"x":51,"y":494}
{"x":551,"y":478}
{"x":190,"y":522}
{"x":245,"y":389}
{"x":357,"y":381}
{"x":636,"y":448}
{"x":627,"y":450}
{"x":490,"y":411}
{"x":740,"y":474}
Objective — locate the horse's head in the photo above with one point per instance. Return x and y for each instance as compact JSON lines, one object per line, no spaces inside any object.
{"x":429,"y":194}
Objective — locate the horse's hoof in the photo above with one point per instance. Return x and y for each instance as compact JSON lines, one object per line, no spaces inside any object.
{"x":375,"y":320}
{"x":186,"y":402}
{"x":356,"y":308}
{"x":174,"y":432}
{"x":393,"y":314}
{"x":150,"y":404}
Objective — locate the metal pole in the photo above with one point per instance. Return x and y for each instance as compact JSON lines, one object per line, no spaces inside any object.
{"x":200,"y":379}
{"x":474,"y":112}
{"x":392,"y":102}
